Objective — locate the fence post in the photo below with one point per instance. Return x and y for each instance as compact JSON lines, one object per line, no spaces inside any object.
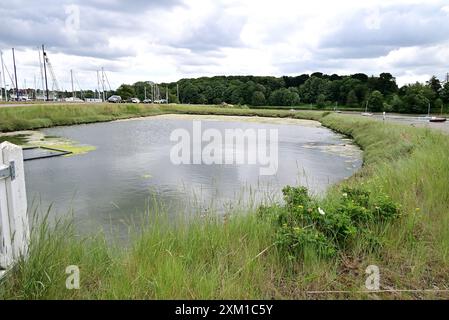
{"x":14,"y":225}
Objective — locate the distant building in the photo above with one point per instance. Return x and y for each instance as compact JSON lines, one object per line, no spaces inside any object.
{"x":22,"y":97}
{"x":73,"y":99}
{"x":93,"y":100}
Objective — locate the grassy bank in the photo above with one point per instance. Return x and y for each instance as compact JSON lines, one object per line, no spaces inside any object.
{"x":241,"y":257}
{"x":44,"y":116}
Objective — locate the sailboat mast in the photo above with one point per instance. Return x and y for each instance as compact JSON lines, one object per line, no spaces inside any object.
{"x":15,"y":74}
{"x":45,"y":73}
{"x":42,"y":72}
{"x":73,"y":90}
{"x":98,"y":84}
{"x":35,"y":87}
{"x":102,"y":83}
{"x":3,"y":75}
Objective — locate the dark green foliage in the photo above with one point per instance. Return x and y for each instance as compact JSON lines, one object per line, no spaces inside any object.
{"x":126,"y":91}
{"x":318,"y":89}
{"x":321,"y":101}
{"x":302,"y":224}
{"x":352,"y":99}
{"x":397,"y":105}
{"x":312,"y":88}
{"x":284,"y":97}
{"x":258,"y":99}
{"x":435,"y":85}
{"x":376,"y":101}
{"x":417,"y":97}
{"x":444,"y":93}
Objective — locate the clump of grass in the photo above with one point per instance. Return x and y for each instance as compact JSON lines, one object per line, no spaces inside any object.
{"x":201,"y":259}
{"x":19,"y":139}
{"x":43,"y":116}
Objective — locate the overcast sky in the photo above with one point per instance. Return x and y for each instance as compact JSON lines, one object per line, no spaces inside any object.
{"x":167,"y":40}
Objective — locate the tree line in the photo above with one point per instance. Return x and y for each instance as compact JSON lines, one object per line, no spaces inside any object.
{"x":377,"y":93}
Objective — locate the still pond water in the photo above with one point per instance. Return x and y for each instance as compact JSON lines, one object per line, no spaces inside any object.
{"x":130,"y":172}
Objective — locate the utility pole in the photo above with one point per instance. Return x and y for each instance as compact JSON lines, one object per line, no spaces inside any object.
{"x":145,"y":90}
{"x":177,"y":92}
{"x":166,"y":94}
{"x":45,"y":73}
{"x":15,"y":74}
{"x":3,"y":75}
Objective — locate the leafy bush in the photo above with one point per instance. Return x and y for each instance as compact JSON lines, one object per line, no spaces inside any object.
{"x":301,"y":223}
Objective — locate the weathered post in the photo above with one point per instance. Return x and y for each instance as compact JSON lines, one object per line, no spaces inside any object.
{"x":14,"y":224}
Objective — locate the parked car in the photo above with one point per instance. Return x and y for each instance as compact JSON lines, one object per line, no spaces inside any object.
{"x":147,"y":101}
{"x":115,"y":99}
{"x":132,"y":100}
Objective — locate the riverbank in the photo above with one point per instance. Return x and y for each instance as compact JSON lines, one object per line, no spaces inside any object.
{"x":45,"y":116}
{"x":242,"y":257}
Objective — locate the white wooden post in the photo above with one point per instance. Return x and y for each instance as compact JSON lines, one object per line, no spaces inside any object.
{"x":14,"y":225}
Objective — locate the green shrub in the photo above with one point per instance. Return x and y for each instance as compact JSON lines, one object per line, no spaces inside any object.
{"x":301,"y":223}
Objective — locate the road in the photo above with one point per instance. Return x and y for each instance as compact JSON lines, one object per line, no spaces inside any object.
{"x":413,"y":120}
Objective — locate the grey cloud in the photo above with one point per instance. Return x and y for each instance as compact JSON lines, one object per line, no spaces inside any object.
{"x":309,"y":65}
{"x":83,"y":43}
{"x":414,"y":25}
{"x":28,"y":25}
{"x":218,"y":31}
{"x":363,"y":52}
{"x":136,"y":6}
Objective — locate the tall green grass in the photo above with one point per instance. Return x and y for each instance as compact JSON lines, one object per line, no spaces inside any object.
{"x":238,"y":258}
{"x":43,"y":116}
